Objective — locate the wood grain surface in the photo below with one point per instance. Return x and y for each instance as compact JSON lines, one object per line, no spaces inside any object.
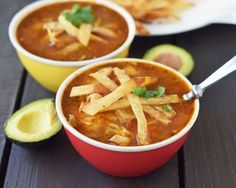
{"x":208,"y":159}
{"x":210,"y":152}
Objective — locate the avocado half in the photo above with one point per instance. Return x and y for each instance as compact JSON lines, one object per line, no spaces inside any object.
{"x":172,"y":56}
{"x":34,"y":124}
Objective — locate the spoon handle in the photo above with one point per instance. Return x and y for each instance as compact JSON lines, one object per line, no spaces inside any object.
{"x":223,"y":71}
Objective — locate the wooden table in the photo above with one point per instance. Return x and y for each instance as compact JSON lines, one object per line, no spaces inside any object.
{"x":208,"y":159}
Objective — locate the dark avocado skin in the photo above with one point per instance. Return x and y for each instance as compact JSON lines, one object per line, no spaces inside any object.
{"x":36,"y":145}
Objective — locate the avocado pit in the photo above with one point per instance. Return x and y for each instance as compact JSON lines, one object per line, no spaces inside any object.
{"x":169,"y":59}
{"x":171,"y":56}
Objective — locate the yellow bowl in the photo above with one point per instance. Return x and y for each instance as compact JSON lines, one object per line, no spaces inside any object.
{"x":50,"y":73}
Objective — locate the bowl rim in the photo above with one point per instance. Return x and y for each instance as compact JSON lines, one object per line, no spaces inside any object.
{"x":21,"y":14}
{"x":101,"y":145}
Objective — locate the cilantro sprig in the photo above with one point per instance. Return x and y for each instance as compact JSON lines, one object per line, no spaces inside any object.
{"x":79,"y":15}
{"x":144,"y":92}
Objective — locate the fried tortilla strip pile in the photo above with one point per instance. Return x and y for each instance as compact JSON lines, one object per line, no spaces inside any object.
{"x":102,"y":103}
{"x":120,"y":98}
{"x":148,"y":11}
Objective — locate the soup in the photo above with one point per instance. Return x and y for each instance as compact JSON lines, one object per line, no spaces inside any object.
{"x":127,"y":104}
{"x":72,"y":31}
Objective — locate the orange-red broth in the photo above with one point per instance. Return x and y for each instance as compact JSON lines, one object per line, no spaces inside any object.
{"x":157,"y":131}
{"x":34,"y":38}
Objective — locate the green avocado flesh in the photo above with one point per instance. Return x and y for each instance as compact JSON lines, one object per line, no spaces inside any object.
{"x":172,"y":56}
{"x":37,"y":121}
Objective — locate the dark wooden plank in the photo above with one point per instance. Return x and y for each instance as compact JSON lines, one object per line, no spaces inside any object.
{"x":11,"y":73}
{"x":60,"y":166}
{"x":210,"y":152}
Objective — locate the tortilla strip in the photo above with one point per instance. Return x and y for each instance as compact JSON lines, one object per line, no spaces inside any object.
{"x":54,"y":26}
{"x":91,"y":88}
{"x":82,"y":90}
{"x":88,"y":89}
{"x":84,"y":34}
{"x":141,"y":28}
{"x":121,"y":75}
{"x":69,"y":48}
{"x":113,"y":129}
{"x":167,"y":99}
{"x":149,"y":11}
{"x":98,"y":39}
{"x":67,"y":26}
{"x":124,"y":103}
{"x":136,"y":108}
{"x":52,"y":36}
{"x":141,"y":120}
{"x":93,"y":97}
{"x":107,"y":71}
{"x":102,"y":77}
{"x":103,"y":31}
{"x":53,"y":29}
{"x":168,"y":114}
{"x":102,"y":103}
{"x":113,"y":26}
{"x":120,"y":140}
{"x":157,"y":115}
{"x":72,"y":120}
{"x":124,"y":116}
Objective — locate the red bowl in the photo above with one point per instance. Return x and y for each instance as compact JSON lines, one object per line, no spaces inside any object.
{"x":125,"y":161}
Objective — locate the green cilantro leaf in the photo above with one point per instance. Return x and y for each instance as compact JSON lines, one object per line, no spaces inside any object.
{"x":139,"y":91}
{"x":149,"y":94}
{"x":143,"y":92}
{"x":79,"y":15}
{"x":75,"y":9}
{"x":159,"y":91}
{"x":167,"y":107}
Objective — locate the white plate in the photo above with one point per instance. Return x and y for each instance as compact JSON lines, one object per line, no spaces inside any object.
{"x":203,"y":13}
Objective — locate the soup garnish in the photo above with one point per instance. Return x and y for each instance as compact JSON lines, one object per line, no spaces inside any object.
{"x":110,"y":105}
{"x":72,"y":32}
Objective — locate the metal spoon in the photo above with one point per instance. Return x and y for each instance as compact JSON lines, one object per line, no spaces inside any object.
{"x":197,"y":90}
